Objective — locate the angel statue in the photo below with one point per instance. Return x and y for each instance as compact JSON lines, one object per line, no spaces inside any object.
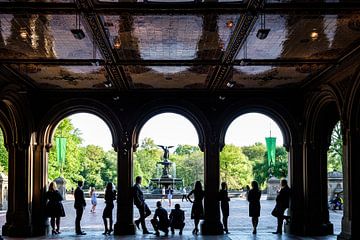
{"x":166,"y":151}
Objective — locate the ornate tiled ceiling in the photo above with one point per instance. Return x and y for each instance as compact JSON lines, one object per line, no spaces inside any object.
{"x":43,"y":36}
{"x":65,"y":77}
{"x":295,"y":36}
{"x":195,"y":45}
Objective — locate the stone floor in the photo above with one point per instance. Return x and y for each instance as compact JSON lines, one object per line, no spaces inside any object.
{"x":239,"y":222}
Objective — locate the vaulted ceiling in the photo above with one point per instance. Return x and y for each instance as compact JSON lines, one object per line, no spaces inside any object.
{"x":208,"y":45}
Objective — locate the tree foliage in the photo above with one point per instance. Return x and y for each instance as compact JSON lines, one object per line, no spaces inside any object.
{"x":235,"y":167}
{"x":4,"y":155}
{"x":335,"y":153}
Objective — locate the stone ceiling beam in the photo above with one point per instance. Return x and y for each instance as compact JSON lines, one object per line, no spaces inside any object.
{"x":196,"y":62}
{"x":94,"y":25}
{"x":241,"y":31}
{"x":304,"y":8}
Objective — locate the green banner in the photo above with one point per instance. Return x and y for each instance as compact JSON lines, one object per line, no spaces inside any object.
{"x":60,"y":149}
{"x":271,"y":149}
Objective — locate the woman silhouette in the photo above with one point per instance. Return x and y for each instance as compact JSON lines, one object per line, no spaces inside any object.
{"x":54,"y":207}
{"x":197,"y":210}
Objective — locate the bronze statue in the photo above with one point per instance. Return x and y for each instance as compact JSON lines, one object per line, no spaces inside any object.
{"x":166,"y":151}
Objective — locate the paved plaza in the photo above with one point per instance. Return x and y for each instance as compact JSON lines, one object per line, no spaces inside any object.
{"x":239,"y":222}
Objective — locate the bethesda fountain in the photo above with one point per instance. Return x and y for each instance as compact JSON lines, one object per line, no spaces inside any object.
{"x":168,"y":173}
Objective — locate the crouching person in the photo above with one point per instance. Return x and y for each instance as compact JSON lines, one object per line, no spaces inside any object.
{"x":160,"y":220}
{"x":177,"y":218}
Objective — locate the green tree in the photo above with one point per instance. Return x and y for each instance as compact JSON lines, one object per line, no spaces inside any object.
{"x":109,"y":169}
{"x":72,"y":165}
{"x":335,"y":152}
{"x":4,"y":155}
{"x":235,"y":167}
{"x":280,"y":169}
{"x":255,"y":153}
{"x":189,"y":162}
{"x":145,"y":160}
{"x":92,"y":165}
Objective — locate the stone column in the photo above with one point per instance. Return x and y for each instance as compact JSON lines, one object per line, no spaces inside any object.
{"x":211,"y":224}
{"x":20,"y":225}
{"x":124,"y":224}
{"x":351,"y":156}
{"x":296,"y":181}
{"x":317,"y":213}
{"x":39,"y":220}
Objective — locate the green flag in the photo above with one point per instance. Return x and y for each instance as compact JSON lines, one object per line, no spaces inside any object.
{"x":271,"y":148}
{"x":60,"y":149}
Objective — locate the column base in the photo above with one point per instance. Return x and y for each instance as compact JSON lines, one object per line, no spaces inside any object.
{"x":124,"y":229}
{"x":344,"y":236}
{"x":319,"y":229}
{"x":19,"y":231}
{"x":211,"y":228}
{"x":5,"y":229}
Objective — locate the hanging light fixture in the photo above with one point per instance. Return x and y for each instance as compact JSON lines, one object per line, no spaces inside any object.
{"x":262,"y":32}
{"x":77,"y":32}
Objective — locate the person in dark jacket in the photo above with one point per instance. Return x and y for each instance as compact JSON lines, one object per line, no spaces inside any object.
{"x":253,"y":198}
{"x":160,"y":220}
{"x":197,"y":210}
{"x":54,"y":207}
{"x":224,"y":204}
{"x":177,"y":218}
{"x":110,"y":196}
{"x":139,"y":202}
{"x":79,"y":205}
{"x":282,"y":203}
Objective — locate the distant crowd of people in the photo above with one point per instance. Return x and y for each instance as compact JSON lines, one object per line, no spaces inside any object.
{"x":161,"y":221}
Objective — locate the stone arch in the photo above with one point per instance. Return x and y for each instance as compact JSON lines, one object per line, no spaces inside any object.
{"x":184,"y":109}
{"x":353,"y":107}
{"x":324,"y":110}
{"x":73,"y":106}
{"x":277,"y":113}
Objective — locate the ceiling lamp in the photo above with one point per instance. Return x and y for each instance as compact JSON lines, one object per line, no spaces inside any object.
{"x":314,"y":35}
{"x":229,"y":23}
{"x":230,"y":84}
{"x":77,"y":32}
{"x":117,"y":43}
{"x":23,"y":33}
{"x":262,"y":32}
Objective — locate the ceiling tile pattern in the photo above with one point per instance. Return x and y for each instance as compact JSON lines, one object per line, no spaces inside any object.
{"x":272,"y":76}
{"x":66,"y":77}
{"x":174,"y":77}
{"x":174,"y":50}
{"x":308,"y":37}
{"x":169,"y":37}
{"x":43,"y":36}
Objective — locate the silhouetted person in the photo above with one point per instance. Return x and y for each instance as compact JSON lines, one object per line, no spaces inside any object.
{"x":184,"y":195}
{"x":224,"y":203}
{"x":177,"y":218}
{"x":170,"y":195}
{"x":160,"y":220}
{"x":54,"y":207}
{"x":79,"y":205}
{"x":139,"y":202}
{"x":282,"y":203}
{"x":93,"y":197}
{"x":254,"y":196}
{"x":197,"y":210}
{"x":110,"y":196}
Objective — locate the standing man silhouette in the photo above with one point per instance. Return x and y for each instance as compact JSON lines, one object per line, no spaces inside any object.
{"x":79,"y":205}
{"x":139,"y":202}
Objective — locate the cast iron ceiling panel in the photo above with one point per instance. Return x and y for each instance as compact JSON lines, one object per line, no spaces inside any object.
{"x":65,"y":77}
{"x":169,"y":37}
{"x":272,"y":76}
{"x":168,"y":77}
{"x":43,"y":36}
{"x":292,"y":36}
